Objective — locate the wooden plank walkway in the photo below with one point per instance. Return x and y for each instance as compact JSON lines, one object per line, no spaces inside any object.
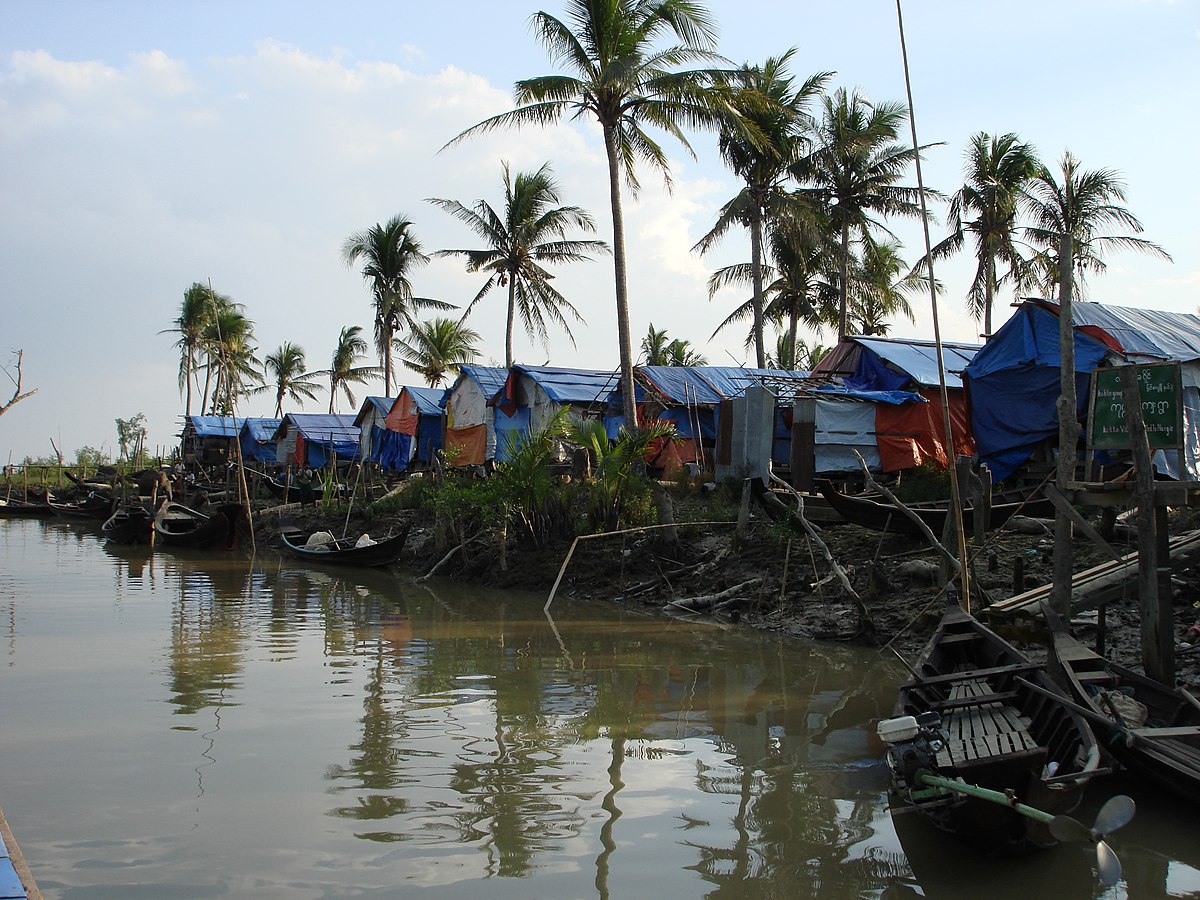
{"x":1094,"y":587}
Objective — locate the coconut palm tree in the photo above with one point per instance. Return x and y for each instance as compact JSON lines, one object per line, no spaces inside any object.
{"x":657,"y":350}
{"x":623,"y":81}
{"x":1084,"y":206}
{"x":344,"y":369}
{"x":853,"y":172}
{"x":801,"y":286}
{"x":768,"y":97}
{"x":286,"y":366}
{"x":228,"y":340}
{"x":195,"y":311}
{"x":530,"y":234}
{"x":998,"y":168}
{"x":389,"y":254}
{"x":437,"y":348}
{"x":882,"y":288}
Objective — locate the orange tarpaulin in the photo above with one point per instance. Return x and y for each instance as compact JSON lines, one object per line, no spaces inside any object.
{"x":473,"y":443}
{"x":403,"y":417}
{"x":912,"y":434}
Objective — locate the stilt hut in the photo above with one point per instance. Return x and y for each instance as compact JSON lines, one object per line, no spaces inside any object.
{"x":257,"y":437}
{"x":316,"y":439}
{"x":370,"y":421}
{"x":470,"y":437}
{"x":1014,"y":381}
{"x":533,"y":395}
{"x":209,"y":440}
{"x":413,"y":429}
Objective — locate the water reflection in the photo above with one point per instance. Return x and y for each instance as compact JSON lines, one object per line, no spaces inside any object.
{"x":363,"y":731}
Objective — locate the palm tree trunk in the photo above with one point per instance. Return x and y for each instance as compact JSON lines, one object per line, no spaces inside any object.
{"x":1068,"y":428}
{"x":512,"y":312}
{"x":989,"y":291}
{"x":793,"y":328}
{"x":844,"y":278}
{"x":756,"y":280}
{"x":629,"y":405}
{"x":190,"y":374}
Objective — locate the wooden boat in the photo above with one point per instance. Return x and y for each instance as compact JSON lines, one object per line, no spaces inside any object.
{"x":94,"y":506}
{"x":180,"y":526}
{"x":282,"y":490}
{"x":23,"y":509}
{"x":344,"y":551}
{"x":1156,"y":736}
{"x":875,"y":512}
{"x":129,"y":525}
{"x":969,"y":715}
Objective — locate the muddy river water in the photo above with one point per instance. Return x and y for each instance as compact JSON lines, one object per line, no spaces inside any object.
{"x":210,"y":725}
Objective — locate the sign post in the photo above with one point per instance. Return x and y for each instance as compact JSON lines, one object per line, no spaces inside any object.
{"x":1159,"y":388}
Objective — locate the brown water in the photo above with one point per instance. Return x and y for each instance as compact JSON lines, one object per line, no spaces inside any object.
{"x":207,"y":726}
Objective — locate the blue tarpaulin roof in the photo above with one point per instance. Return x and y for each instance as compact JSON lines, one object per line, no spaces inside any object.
{"x":382,"y":404}
{"x":489,"y":378}
{"x":917,"y":359}
{"x":732,"y":381}
{"x":216,"y":426}
{"x":1152,"y":333}
{"x":572,"y":385}
{"x":708,"y":385}
{"x":893,"y":397}
{"x":261,"y":429}
{"x":681,"y":385}
{"x":428,"y":400}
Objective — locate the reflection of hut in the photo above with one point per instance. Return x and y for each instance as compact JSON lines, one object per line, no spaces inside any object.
{"x":257,"y":437}
{"x":1014,"y":380}
{"x":470,"y":432}
{"x":533,"y":395}
{"x":208,"y":440}
{"x":316,"y":439}
{"x":370,"y":421}
{"x":899,"y":377}
{"x":413,"y":429}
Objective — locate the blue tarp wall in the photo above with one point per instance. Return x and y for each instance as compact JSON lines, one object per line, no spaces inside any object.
{"x":257,"y":440}
{"x":325,"y":435}
{"x":1013,"y":383}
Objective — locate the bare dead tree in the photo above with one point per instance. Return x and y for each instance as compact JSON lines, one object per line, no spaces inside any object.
{"x":17,"y":396}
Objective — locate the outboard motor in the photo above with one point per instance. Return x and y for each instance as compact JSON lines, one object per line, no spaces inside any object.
{"x":913,"y":744}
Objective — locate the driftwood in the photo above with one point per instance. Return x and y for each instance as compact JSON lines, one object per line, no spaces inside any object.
{"x":706,"y":603}
{"x":445,"y":560}
{"x":17,"y":396}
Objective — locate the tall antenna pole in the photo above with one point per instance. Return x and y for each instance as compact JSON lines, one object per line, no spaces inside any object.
{"x":955,"y":494}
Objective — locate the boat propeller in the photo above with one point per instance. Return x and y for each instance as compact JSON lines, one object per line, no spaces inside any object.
{"x":1117,"y":811}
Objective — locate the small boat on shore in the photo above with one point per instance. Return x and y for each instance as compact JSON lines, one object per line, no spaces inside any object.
{"x":95,"y":506}
{"x":1152,"y":729}
{"x":181,"y":526}
{"x":968,"y":719}
{"x":24,"y":509}
{"x":875,"y":512}
{"x":130,"y":524}
{"x":324,"y":548}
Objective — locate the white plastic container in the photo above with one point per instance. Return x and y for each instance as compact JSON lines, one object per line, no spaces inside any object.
{"x":894,"y":731}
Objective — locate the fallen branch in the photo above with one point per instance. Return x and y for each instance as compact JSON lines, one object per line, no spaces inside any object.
{"x":441,"y":563}
{"x":917,"y":520}
{"x":714,"y":602}
{"x":17,"y":396}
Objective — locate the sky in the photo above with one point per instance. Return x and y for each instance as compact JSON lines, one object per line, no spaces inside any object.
{"x":149,"y":144}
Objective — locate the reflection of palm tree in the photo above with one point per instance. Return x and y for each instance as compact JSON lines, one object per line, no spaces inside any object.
{"x":624,"y":82}
{"x":530,"y":233}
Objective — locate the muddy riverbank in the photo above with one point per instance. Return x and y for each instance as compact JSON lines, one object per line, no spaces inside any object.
{"x":772,"y":579}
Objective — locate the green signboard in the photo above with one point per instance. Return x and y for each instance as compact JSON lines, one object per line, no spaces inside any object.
{"x":1158,"y":385}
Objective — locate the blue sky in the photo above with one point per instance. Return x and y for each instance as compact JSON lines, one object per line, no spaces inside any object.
{"x":147,"y":145}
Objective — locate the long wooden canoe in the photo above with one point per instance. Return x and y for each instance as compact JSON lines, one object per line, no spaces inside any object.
{"x":181,"y":526}
{"x":875,"y":512}
{"x":980,"y":722}
{"x":1157,"y":737}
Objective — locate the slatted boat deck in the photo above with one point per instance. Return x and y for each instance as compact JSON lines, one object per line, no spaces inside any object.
{"x":982,"y":724}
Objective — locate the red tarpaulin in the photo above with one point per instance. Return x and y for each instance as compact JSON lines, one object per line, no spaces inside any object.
{"x":473,"y":443}
{"x":912,"y":434}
